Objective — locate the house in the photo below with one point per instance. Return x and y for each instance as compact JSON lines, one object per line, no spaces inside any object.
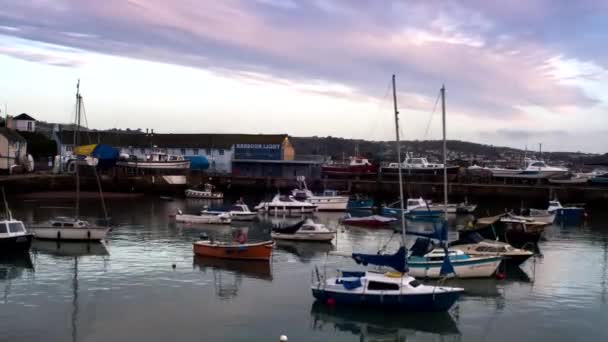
{"x":219,"y":150}
{"x":23,"y":123}
{"x":13,"y":149}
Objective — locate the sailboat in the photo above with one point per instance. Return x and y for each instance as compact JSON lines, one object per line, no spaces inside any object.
{"x":394,"y":290}
{"x":74,"y":228}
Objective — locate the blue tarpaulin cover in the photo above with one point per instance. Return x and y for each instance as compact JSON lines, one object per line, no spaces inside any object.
{"x":397,"y":261}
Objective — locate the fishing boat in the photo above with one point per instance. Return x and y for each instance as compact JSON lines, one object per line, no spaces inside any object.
{"x":429,"y":265}
{"x":74,"y":228}
{"x":233,"y":250}
{"x":305,"y":230}
{"x":204,"y":217}
{"x":571,"y":212}
{"x":476,"y":245}
{"x":328,"y":201}
{"x":368,"y":221}
{"x":384,"y":289}
{"x":419,"y":166}
{"x":356,"y":166}
{"x":157,"y":160}
{"x":205,"y":192}
{"x":533,"y":169}
{"x":285,"y":205}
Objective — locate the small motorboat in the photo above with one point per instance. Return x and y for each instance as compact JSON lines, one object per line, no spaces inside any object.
{"x":206,"y":192}
{"x":415,"y":208}
{"x":368,"y":221}
{"x":571,"y":212}
{"x":359,"y":202}
{"x":69,"y":228}
{"x":233,"y":250}
{"x":238,"y":212}
{"x":216,"y":217}
{"x":535,"y":215}
{"x":355,"y":166}
{"x":475,"y":245}
{"x":570,"y":178}
{"x":519,"y":233}
{"x":329,"y":200}
{"x":285,"y":205}
{"x":14,"y":236}
{"x":306,"y":230}
{"x":425,"y":261}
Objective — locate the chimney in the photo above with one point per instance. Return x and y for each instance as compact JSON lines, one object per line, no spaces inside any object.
{"x":151,"y":131}
{"x":146,"y":131}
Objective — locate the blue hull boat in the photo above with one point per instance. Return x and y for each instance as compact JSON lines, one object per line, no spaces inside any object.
{"x":395,"y":212}
{"x":360,"y":204}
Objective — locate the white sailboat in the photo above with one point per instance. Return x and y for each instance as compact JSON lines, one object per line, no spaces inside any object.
{"x":74,"y":228}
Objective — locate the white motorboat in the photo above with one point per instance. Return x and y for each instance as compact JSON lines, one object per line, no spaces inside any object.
{"x":465,"y":265}
{"x":285,"y":205}
{"x":204,"y":217}
{"x":157,"y":160}
{"x":14,"y":236}
{"x":306,"y":230}
{"x":536,"y":215}
{"x":69,"y":228}
{"x":328,"y":201}
{"x":417,"y":165}
{"x":474,"y":244}
{"x":533,"y":169}
{"x":238,"y":212}
{"x":574,"y":178}
{"x":206,"y":192}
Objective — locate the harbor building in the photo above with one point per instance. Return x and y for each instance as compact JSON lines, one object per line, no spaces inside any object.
{"x":13,"y":149}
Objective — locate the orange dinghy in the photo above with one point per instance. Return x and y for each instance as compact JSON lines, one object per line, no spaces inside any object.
{"x":232,"y":250}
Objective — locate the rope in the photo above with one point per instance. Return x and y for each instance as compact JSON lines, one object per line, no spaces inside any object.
{"x":428,"y":126}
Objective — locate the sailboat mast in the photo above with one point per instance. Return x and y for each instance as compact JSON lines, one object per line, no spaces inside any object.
{"x":399,"y":161}
{"x":76,"y":142}
{"x":445,"y":166}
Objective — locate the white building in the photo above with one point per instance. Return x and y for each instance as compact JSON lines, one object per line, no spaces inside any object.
{"x":13,"y":149}
{"x":23,"y":123}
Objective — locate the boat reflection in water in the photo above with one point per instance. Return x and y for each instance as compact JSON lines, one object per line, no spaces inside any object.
{"x":304,"y":251}
{"x":70,"y":248}
{"x":12,"y":267}
{"x":376,"y":325}
{"x":228,"y":273}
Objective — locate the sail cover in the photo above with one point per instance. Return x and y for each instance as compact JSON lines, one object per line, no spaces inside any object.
{"x":107,"y":155}
{"x":397,"y":261}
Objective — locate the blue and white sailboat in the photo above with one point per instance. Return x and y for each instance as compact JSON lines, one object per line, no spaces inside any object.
{"x":389,"y":290}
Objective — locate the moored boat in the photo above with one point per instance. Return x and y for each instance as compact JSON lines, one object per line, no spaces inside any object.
{"x":204,"y":217}
{"x":306,"y":230}
{"x":419,"y":166}
{"x":328,"y":201}
{"x":368,"y":221}
{"x":533,"y":169}
{"x":475,"y":245}
{"x":570,"y":178}
{"x":69,"y":228}
{"x":233,"y":250}
{"x":356,"y":166}
{"x":285,"y":205}
{"x":359,"y":202}
{"x":14,"y":236}
{"x":205,"y":192}
{"x":238,"y":212}
{"x":516,"y":232}
{"x":155,"y":161}
{"x":535,"y":215}
{"x":569,"y":213}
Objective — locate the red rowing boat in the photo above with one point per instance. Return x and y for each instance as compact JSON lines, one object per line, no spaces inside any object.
{"x":231,"y":250}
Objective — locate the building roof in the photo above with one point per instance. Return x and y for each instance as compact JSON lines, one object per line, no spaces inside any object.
{"x":11,"y":134}
{"x":24,"y":116}
{"x":177,"y":140}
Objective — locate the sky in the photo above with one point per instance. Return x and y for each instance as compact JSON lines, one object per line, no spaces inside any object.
{"x":516,"y":74}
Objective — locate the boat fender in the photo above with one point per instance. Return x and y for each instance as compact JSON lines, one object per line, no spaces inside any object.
{"x":393,"y":274}
{"x":179,"y":212}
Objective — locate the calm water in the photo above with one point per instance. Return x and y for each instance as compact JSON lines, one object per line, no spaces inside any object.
{"x":127,"y":290}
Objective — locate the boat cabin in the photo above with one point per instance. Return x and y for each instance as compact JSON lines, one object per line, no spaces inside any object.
{"x":11,"y":227}
{"x":358,"y":161}
{"x":68,"y":223}
{"x":240,"y":208}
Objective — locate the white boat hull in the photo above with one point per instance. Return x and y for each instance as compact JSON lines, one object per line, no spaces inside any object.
{"x":546,"y":219}
{"x":507,"y":173}
{"x":319,"y":236}
{"x":203,"y":194}
{"x":175,"y":179}
{"x":207,"y":219}
{"x":168,"y":165}
{"x":329,"y":203}
{"x":65,"y":233}
{"x":239,"y":216}
{"x":467,"y":269}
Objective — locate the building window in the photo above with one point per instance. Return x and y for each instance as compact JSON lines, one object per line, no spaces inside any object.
{"x":196,"y":151}
{"x":221,"y":151}
{"x":30,"y":126}
{"x":183,"y":150}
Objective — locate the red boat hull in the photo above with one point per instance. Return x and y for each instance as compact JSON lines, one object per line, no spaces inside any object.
{"x":349,"y":170}
{"x":246,"y":251}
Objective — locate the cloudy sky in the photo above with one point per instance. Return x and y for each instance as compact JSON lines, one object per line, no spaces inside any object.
{"x":516,"y":74}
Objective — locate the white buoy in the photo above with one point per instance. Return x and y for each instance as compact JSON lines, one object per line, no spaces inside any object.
{"x":283,"y":338}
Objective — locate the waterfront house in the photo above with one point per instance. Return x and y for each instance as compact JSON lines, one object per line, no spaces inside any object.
{"x":13,"y":149}
{"x":23,"y":123}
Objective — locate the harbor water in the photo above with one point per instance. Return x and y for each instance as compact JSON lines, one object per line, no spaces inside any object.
{"x":144,"y":284}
